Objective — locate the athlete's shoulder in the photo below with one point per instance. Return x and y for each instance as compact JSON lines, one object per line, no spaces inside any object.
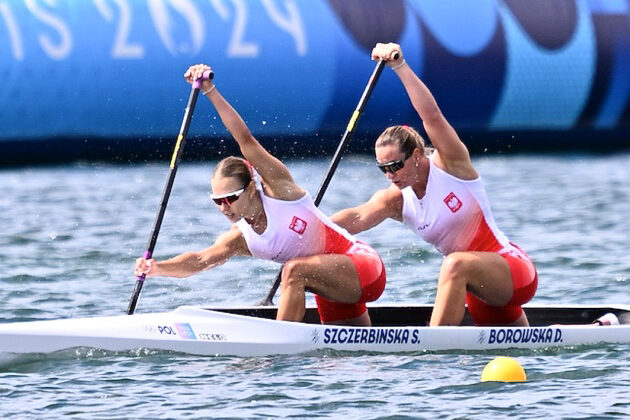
{"x":283,"y":190}
{"x":234,"y":240}
{"x":459,"y":168}
{"x":389,"y":200}
{"x":387,"y":195}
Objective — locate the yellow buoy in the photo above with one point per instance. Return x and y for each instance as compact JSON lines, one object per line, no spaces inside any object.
{"x":503,"y":369}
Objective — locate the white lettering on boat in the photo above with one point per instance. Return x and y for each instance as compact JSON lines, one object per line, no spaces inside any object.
{"x":371,"y":336}
{"x":524,"y":335}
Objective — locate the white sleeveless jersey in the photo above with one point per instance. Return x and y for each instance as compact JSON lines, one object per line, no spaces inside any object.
{"x":454,"y":215}
{"x":294,"y":229}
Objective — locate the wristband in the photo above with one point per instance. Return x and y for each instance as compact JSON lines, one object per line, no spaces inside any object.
{"x":205,"y":92}
{"x":402,"y":63}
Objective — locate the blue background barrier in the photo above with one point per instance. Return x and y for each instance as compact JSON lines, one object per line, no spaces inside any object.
{"x":90,"y":78}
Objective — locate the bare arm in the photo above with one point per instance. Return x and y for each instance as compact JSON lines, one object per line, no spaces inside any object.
{"x":227,"y":245}
{"x":383,"y":204}
{"x":452,"y":154}
{"x":274,"y":173}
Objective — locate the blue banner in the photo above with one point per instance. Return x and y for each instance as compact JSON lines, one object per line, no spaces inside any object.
{"x":113,"y":68}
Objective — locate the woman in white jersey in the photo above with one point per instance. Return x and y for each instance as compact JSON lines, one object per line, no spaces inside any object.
{"x":277,"y":220}
{"x":440,"y":197}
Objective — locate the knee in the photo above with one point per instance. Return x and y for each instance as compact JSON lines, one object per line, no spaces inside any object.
{"x":292,"y":274}
{"x":454,"y":268}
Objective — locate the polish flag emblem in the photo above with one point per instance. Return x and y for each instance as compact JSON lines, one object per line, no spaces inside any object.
{"x":298,"y":225}
{"x":453,"y":202}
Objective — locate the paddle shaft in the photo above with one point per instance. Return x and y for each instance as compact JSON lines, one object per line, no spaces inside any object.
{"x":341,"y":148}
{"x":177,"y":154}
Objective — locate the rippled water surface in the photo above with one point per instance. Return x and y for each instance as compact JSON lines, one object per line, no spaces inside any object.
{"x":70,"y":234}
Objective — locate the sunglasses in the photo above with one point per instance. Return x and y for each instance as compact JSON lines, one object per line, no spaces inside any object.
{"x":393,"y":166}
{"x":227,"y":198}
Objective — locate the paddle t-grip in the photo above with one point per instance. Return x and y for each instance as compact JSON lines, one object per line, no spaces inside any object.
{"x":207,"y":75}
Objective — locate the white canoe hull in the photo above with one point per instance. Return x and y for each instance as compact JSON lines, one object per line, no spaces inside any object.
{"x":196,"y":330}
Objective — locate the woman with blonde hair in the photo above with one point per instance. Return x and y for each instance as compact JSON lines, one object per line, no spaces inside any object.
{"x":277,"y":220}
{"x":440,"y":196}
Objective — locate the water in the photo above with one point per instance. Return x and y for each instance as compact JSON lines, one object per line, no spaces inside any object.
{"x":70,"y":234}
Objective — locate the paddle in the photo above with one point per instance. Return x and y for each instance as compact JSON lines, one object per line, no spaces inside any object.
{"x":345,"y":139}
{"x":177,"y":154}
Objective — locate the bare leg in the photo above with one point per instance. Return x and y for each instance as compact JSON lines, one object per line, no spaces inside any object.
{"x":485,"y":274}
{"x":362,"y":320}
{"x":521,"y":321}
{"x":292,"y":300}
{"x":332,"y":276}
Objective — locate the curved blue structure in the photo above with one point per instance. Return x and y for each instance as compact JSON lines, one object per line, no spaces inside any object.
{"x":103,"y":78}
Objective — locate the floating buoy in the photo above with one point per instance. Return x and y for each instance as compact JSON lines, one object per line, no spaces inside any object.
{"x":503,"y":369}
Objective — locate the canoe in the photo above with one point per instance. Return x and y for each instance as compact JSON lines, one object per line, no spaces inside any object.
{"x":252,"y":331}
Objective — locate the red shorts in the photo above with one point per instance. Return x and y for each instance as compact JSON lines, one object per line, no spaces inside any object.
{"x":525,"y":281}
{"x":371,"y":272}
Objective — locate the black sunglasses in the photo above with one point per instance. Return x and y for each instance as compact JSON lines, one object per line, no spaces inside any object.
{"x":394,"y":165}
{"x":227,"y":198}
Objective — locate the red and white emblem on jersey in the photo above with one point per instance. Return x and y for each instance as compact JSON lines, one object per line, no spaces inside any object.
{"x":453,"y":202}
{"x":298,"y":225}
